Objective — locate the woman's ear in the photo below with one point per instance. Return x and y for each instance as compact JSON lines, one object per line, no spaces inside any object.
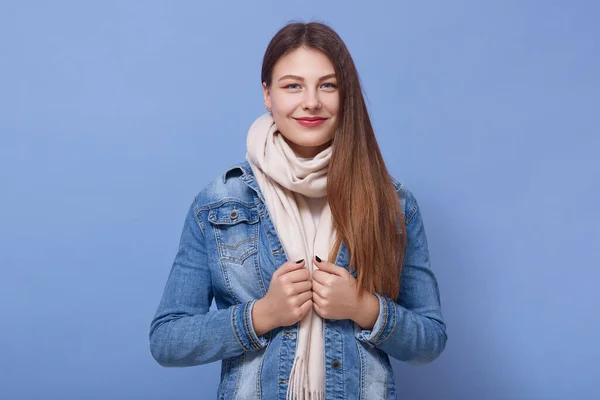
{"x":267,"y":96}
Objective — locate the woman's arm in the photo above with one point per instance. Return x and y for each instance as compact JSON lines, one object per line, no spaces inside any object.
{"x":184,"y":332}
{"x":411,"y":328}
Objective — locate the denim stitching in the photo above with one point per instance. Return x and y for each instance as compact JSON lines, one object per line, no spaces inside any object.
{"x":221,"y":245}
{"x":217,"y":204}
{"x":197,"y":216}
{"x":413,"y":211}
{"x":385,"y":319}
{"x":199,"y":222}
{"x":244,"y":256}
{"x":343,"y":366}
{"x":233,"y":327}
{"x":257,"y":269}
{"x":234,"y":167}
{"x":258,"y":375}
{"x":280,"y":249}
{"x":237,"y":245}
{"x":252,"y":332}
{"x":252,"y":343}
{"x":385,"y":382}
{"x":393,"y":325}
{"x":251,"y":216}
{"x":248,"y":332}
{"x":253,"y":241}
{"x":362,"y":372}
{"x":224,"y":270}
{"x":259,"y":343}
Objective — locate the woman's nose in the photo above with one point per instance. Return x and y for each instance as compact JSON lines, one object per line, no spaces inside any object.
{"x":311,"y":100}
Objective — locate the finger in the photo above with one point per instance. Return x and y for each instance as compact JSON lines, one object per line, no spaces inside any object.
{"x":317,"y":309}
{"x":288,"y":267}
{"x":320,"y":276}
{"x":298,"y":275}
{"x":324,"y":278}
{"x":301,"y":287}
{"x":317,"y":298}
{"x":318,"y":288}
{"x":304,"y":297}
{"x":306,"y":307}
{"x":328,"y":267}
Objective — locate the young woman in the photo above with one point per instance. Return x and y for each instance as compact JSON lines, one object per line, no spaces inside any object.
{"x":315,"y":256}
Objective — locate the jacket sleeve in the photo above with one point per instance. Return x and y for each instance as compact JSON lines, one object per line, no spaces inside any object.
{"x":183,"y":331}
{"x":411,"y":328}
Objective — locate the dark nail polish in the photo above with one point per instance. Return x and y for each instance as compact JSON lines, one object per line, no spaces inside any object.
{"x":318,"y":259}
{"x":299,"y":261}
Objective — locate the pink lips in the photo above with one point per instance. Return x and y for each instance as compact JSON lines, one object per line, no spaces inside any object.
{"x":310,"y":121}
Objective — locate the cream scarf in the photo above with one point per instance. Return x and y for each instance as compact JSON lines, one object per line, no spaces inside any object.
{"x":284,"y":181}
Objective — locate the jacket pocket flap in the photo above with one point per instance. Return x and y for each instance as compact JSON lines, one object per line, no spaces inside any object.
{"x":232,"y":213}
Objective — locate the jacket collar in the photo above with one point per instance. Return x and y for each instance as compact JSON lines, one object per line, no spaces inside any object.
{"x":247,"y":176}
{"x":244,"y":167}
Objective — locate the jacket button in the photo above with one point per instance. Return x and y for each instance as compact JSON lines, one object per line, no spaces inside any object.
{"x":234,"y":214}
{"x":336,"y":364}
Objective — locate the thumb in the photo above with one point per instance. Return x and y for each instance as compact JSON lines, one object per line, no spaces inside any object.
{"x":326,"y":266}
{"x":289,"y":267}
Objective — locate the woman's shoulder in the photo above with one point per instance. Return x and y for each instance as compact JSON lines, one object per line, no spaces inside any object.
{"x":231,"y":185}
{"x":408,"y":202}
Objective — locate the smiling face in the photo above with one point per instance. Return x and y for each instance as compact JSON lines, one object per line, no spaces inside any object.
{"x":304,"y":99}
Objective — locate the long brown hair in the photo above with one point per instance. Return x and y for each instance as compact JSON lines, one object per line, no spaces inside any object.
{"x":364,"y":204}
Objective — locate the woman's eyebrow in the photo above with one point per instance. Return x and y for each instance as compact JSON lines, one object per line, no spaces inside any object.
{"x":299,"y":78}
{"x":327,"y":77}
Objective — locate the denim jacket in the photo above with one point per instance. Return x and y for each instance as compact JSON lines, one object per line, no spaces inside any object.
{"x":228,"y":251}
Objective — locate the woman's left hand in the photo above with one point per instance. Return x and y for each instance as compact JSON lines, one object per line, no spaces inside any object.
{"x":334,"y":291}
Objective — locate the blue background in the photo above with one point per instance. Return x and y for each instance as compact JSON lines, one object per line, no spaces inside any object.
{"x":114,"y":114}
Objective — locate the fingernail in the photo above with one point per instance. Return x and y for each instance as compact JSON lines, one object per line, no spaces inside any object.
{"x":318,"y":259}
{"x":299,"y":261}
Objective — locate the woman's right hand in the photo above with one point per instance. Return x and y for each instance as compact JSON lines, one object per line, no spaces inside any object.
{"x":287,"y":301}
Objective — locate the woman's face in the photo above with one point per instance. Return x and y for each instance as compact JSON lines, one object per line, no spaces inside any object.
{"x":304,"y":100}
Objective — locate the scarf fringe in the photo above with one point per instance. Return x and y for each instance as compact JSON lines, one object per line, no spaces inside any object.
{"x":298,"y":384}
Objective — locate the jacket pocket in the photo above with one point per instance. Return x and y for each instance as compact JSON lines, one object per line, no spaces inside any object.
{"x":236,"y":231}
{"x":236,"y":227}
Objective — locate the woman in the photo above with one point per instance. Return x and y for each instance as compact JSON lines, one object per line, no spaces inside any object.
{"x":315,"y":256}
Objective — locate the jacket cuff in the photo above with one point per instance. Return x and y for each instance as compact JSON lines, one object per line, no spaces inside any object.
{"x":384,"y":325}
{"x":241,"y":321}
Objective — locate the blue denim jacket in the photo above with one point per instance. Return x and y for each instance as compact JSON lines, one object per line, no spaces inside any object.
{"x":228,"y":251}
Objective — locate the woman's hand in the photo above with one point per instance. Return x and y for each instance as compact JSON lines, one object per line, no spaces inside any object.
{"x":335,"y":296}
{"x":288,"y":300}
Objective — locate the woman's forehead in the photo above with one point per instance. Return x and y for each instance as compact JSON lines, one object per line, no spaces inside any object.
{"x":304,"y":63}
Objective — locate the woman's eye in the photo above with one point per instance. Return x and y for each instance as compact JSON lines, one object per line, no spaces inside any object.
{"x":292,"y":86}
{"x":329,"y":85}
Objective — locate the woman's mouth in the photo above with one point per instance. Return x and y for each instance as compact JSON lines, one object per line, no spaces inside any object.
{"x":310,"y":122}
